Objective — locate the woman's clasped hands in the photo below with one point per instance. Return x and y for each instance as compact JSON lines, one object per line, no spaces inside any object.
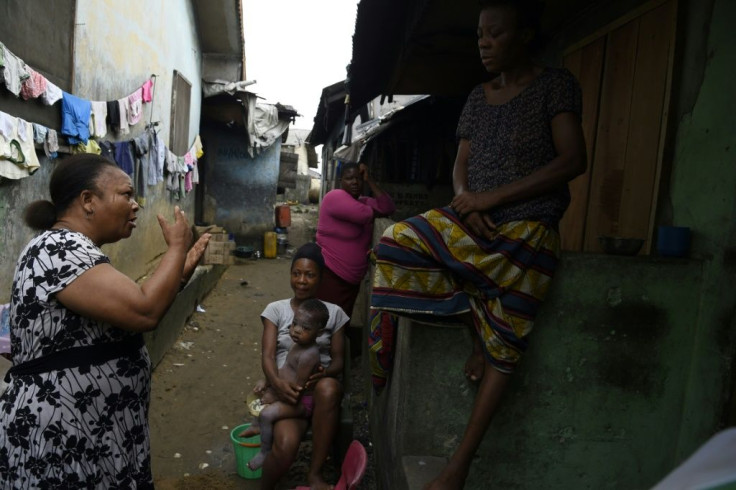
{"x":471,"y":208}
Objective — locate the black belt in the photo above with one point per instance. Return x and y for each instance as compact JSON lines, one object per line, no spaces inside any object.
{"x":76,"y":357}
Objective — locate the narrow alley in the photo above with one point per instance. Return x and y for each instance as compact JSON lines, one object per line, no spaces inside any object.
{"x":200,"y":386}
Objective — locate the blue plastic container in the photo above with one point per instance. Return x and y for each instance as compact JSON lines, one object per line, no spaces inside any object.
{"x":673,"y":241}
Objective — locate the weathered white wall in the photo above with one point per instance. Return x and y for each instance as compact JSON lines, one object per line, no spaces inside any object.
{"x":118,"y":45}
{"x":117,"y":49}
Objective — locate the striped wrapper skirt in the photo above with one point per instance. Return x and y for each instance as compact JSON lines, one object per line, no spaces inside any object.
{"x":431,"y":266}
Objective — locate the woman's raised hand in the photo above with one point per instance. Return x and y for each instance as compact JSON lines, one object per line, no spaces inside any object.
{"x":178,"y":234}
{"x":194,"y":254}
{"x":363,"y":171}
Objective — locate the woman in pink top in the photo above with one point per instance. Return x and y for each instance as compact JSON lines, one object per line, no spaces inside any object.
{"x":344,"y":233}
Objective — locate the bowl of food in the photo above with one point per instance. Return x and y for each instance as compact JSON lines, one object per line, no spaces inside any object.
{"x":616,"y":245}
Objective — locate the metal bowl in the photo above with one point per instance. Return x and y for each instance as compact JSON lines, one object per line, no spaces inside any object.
{"x":615,"y":245}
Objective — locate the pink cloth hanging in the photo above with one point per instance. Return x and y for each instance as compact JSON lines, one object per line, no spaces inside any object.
{"x":147,"y":89}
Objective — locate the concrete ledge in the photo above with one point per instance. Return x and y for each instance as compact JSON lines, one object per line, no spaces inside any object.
{"x":162,"y":339}
{"x":597,"y":401}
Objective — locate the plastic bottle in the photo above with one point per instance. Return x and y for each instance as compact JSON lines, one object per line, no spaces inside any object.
{"x":269,"y":245}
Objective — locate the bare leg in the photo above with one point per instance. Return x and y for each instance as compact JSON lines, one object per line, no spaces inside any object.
{"x":266,"y":420}
{"x":327,"y":398}
{"x":287,"y":436}
{"x":475,"y":364}
{"x":254,"y":429}
{"x":491,"y":387}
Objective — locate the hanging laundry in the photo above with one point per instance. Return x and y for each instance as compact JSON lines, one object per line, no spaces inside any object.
{"x":12,"y":159}
{"x":198,"y":148}
{"x":135,"y":107}
{"x":90,"y":147}
{"x":123,"y":108}
{"x":52,"y":95}
{"x":107,"y":150}
{"x":39,"y":133}
{"x":18,"y":157}
{"x":113,"y":115}
{"x":23,"y":131}
{"x":161,"y":151}
{"x":75,"y":118}
{"x":98,"y":120}
{"x":195,"y":173}
{"x":152,"y":177}
{"x":147,"y":90}
{"x":27,"y":145}
{"x":15,"y":72}
{"x":141,"y":151}
{"x":7,"y":125}
{"x":33,"y":86}
{"x":124,"y":157}
{"x":51,"y":147}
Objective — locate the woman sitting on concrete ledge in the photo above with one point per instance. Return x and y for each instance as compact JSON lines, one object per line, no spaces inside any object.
{"x":488,"y":258}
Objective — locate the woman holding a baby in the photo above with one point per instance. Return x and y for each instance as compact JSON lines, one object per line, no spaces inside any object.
{"x":323,"y":386}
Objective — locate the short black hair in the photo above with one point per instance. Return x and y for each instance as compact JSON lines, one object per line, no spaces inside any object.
{"x":348,"y":166}
{"x":70,"y":177}
{"x":317,"y":309}
{"x":311,"y":251}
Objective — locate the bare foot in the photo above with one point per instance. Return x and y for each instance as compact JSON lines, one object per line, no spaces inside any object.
{"x":317,"y":483}
{"x":475,"y":364}
{"x":257,"y":461}
{"x":250,"y":431}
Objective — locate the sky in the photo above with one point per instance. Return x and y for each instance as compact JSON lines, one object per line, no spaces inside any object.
{"x":295,"y":48}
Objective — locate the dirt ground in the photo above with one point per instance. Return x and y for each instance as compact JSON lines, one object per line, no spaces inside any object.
{"x":200,"y":386}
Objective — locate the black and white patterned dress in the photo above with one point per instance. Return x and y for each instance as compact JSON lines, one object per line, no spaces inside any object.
{"x":72,"y":428}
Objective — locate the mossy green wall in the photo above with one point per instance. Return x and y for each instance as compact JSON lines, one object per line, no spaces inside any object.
{"x":703,"y":196}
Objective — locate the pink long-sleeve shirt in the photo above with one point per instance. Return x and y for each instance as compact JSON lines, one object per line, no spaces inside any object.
{"x":345,"y":229}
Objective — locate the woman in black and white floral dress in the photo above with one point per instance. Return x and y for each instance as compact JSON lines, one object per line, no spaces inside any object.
{"x":75,"y":411}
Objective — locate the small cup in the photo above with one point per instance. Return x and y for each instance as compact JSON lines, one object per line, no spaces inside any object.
{"x":673,"y":241}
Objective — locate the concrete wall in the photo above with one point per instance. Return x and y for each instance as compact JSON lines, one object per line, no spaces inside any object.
{"x":116,"y":48}
{"x":631,"y":364}
{"x":597,"y":401}
{"x":240,"y":191}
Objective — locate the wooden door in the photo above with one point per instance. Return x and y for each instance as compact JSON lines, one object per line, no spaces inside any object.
{"x":624,"y":74}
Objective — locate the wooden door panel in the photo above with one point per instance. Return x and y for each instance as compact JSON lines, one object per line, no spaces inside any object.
{"x":587,"y":66}
{"x":609,"y":159}
{"x":647,"y":104}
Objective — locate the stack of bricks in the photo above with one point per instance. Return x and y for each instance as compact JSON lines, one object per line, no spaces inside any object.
{"x":220,"y":249}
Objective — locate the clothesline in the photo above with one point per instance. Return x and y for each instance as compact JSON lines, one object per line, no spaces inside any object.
{"x":81,"y":118}
{"x":83,"y":122}
{"x":145,"y":158}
